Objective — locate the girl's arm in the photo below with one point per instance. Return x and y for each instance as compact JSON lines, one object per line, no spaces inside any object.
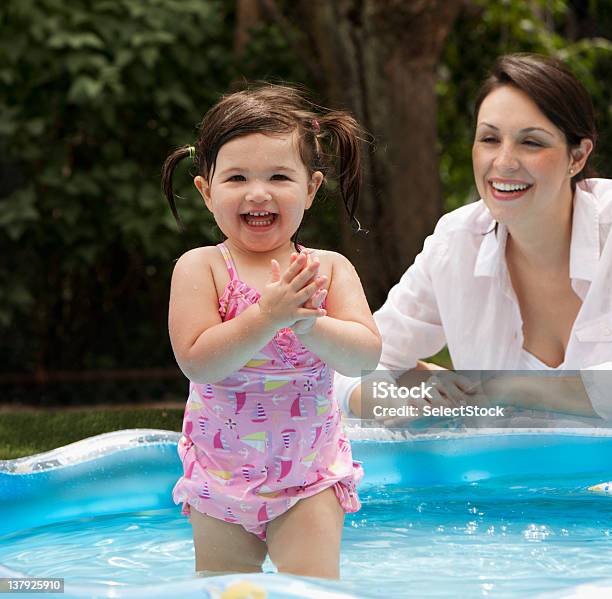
{"x":206,"y":348}
{"x":347,"y":338}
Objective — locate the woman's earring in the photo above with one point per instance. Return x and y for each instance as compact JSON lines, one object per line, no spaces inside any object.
{"x":571,"y":171}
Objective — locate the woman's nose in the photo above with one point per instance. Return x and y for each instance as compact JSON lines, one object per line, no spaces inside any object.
{"x":506,"y":159}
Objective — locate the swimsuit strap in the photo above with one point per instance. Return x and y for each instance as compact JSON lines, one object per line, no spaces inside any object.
{"x":229,"y":262}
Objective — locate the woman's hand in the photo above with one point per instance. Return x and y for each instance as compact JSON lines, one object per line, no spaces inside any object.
{"x":284,"y":297}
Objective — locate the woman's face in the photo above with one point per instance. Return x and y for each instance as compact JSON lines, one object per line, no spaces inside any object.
{"x":521,"y":159}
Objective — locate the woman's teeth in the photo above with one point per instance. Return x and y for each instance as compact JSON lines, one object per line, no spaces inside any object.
{"x":509,"y":186}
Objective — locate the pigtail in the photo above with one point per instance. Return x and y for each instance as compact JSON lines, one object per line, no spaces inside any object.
{"x":167,"y":172}
{"x":343,"y":134}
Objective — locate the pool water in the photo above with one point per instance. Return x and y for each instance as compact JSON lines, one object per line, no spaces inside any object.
{"x":507,"y":536}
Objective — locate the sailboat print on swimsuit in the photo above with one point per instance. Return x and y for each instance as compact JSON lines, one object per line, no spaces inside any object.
{"x":272,"y":382}
{"x":229,"y":515}
{"x":248,"y":470}
{"x":288,"y":435}
{"x":282,"y":465}
{"x":219,"y":442}
{"x":239,"y":399}
{"x":205,"y":491}
{"x":298,"y":410}
{"x":263,"y":515}
{"x":259,"y":414}
{"x":315,"y":433}
{"x":203,"y":424}
{"x":221,"y":476}
{"x":309,"y":459}
{"x":323,"y":404}
{"x":194,"y":401}
{"x":258,"y":441}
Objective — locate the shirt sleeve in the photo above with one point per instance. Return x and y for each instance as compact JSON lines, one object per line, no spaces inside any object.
{"x":597,"y":381}
{"x":345,"y":385}
{"x":409,"y":321}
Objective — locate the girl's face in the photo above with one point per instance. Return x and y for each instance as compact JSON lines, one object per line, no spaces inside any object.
{"x":521,"y":159}
{"x":259,"y":190}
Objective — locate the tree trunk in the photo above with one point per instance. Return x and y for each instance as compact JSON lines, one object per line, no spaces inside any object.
{"x":247,"y":17}
{"x":378,"y":59}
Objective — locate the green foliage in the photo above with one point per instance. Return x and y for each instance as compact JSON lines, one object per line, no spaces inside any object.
{"x":93,"y":96}
{"x":489,"y":28}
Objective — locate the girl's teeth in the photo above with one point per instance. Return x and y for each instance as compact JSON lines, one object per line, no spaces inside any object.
{"x":509,"y":186}
{"x":254,"y":219}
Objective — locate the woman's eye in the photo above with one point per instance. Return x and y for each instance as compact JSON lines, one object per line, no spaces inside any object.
{"x":531,"y":142}
{"x":279,"y":177}
{"x":488,"y":140}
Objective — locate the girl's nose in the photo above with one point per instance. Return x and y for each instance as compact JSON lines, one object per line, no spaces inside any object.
{"x":258,"y":193}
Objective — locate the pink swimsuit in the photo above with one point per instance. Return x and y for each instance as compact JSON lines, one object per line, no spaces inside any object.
{"x":266,"y":436}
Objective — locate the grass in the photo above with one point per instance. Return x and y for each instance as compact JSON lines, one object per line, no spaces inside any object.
{"x":25,"y":432}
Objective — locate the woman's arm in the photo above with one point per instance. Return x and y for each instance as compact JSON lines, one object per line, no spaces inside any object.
{"x":208,"y":350}
{"x":563,"y":394}
{"x":347,"y":338}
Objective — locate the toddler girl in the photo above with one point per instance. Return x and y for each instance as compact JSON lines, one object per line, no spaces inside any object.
{"x":258,"y":324}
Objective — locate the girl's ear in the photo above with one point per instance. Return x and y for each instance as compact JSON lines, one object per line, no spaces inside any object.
{"x":202,"y":186}
{"x":579,"y":155}
{"x":313,"y":186}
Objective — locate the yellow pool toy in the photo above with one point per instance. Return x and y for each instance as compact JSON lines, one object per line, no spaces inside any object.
{"x":244,"y":590}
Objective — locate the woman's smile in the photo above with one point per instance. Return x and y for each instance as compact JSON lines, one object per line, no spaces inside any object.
{"x":508,"y":189}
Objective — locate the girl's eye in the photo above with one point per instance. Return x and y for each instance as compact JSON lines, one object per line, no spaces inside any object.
{"x":279,"y":177}
{"x":237,"y":178}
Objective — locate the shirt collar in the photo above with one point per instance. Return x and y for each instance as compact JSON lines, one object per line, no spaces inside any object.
{"x":492,"y":250}
{"x":584,"y":248}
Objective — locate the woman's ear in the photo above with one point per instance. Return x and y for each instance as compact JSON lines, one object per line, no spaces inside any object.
{"x":313,"y":186}
{"x":202,"y":186}
{"x":579,"y":155}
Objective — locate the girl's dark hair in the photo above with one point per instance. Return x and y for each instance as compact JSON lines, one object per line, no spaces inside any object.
{"x":329,"y":141}
{"x":555,"y":90}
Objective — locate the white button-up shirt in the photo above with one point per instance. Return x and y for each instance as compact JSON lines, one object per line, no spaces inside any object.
{"x":458,"y":292}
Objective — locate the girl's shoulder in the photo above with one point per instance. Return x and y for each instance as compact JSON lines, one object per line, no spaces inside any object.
{"x":331,"y":262}
{"x":207,"y":256}
{"x":203,"y":264}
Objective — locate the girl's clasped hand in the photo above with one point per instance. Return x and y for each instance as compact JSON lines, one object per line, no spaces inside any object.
{"x":294,"y":298}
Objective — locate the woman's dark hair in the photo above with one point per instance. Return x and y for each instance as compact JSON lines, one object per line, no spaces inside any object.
{"x":555,"y":90}
{"x":329,"y":141}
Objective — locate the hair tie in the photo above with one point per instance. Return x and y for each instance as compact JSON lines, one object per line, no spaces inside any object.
{"x":316,"y":126}
{"x":192,"y":153}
